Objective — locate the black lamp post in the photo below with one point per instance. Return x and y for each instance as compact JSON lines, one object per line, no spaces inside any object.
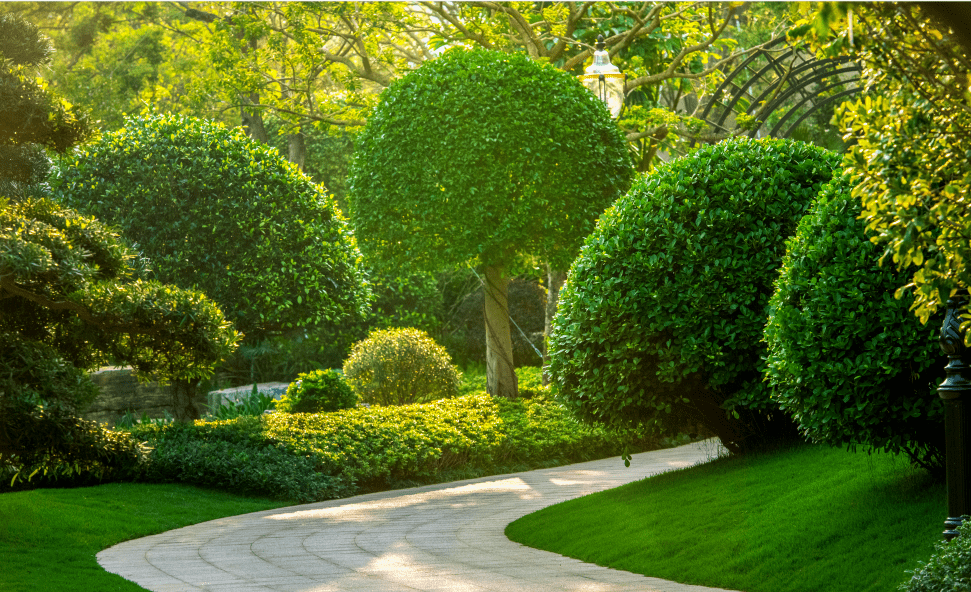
{"x":956,"y":393}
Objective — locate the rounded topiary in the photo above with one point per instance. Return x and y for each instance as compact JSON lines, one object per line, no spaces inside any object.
{"x":849,"y":362}
{"x":218,"y":211}
{"x":401,"y":366}
{"x":319,"y":391}
{"x":662,"y":313}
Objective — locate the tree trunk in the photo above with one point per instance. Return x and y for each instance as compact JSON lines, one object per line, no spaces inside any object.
{"x":298,"y":150}
{"x":554,"y":281}
{"x":500,"y":371}
{"x":253,"y":121}
{"x":186,"y":403}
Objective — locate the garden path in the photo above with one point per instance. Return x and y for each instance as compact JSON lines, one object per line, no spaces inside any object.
{"x":439,"y":538}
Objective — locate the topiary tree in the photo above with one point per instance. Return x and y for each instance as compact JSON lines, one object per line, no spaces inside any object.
{"x":401,"y":366}
{"x":225,"y":214}
{"x":662,"y":312}
{"x":849,"y":362}
{"x":487,"y":157}
{"x":319,"y":391}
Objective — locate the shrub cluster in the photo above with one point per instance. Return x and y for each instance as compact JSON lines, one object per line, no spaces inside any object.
{"x":948,"y":569}
{"x":316,"y":392}
{"x":662,"y":314}
{"x":400,"y":366}
{"x":327,"y":455}
{"x":849,"y":362}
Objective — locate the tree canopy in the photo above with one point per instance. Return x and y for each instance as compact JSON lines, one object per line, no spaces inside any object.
{"x":486,"y":157}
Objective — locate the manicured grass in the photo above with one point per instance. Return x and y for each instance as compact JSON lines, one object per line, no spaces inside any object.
{"x":49,"y":537}
{"x":809,"y":519}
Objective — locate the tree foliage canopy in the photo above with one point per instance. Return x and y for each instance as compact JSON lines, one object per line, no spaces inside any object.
{"x":484,"y":155}
{"x":220,"y":212}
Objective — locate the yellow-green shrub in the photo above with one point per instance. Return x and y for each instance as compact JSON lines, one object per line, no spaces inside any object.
{"x":400,"y":366}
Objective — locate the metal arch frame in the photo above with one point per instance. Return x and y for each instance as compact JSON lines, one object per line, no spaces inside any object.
{"x":799,"y":80}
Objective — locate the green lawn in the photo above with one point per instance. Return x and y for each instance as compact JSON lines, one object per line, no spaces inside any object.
{"x":810,"y":519}
{"x":49,"y":537}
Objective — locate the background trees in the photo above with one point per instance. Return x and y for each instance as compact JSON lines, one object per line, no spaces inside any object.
{"x":516,"y":160}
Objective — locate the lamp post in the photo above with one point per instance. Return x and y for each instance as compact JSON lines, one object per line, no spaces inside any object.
{"x":604,"y":80}
{"x":956,"y":393}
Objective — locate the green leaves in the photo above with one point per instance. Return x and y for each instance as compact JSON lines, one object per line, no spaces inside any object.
{"x":667,"y":299}
{"x":846,"y":359}
{"x":217,"y":211}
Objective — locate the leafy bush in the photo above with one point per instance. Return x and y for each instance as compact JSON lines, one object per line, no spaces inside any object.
{"x":364,"y":449}
{"x":847,"y":360}
{"x":662,"y":313}
{"x":40,"y":433}
{"x":217,"y":210}
{"x":948,"y":569}
{"x":400,"y":366}
{"x":317,"y":392}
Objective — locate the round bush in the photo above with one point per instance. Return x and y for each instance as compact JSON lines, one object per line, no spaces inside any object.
{"x":662,"y":313}
{"x":401,"y":366}
{"x":319,"y":391}
{"x":216,"y":210}
{"x":849,"y":362}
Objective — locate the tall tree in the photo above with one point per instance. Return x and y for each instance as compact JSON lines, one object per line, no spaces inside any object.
{"x":487,"y":157}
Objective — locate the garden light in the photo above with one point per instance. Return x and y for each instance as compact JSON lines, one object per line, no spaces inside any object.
{"x":957,"y":419}
{"x":605,"y":80}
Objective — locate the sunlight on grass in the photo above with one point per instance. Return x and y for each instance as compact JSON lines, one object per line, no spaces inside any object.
{"x":49,"y":537}
{"x":811,"y":519}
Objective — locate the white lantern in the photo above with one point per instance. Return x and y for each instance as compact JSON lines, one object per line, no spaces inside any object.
{"x":604,"y":80}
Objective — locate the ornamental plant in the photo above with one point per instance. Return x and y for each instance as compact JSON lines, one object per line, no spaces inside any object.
{"x":319,"y":391}
{"x":849,"y":362}
{"x":485,"y":157}
{"x":218,"y":211}
{"x":949,"y":567}
{"x":662,"y":313}
{"x":401,"y":366}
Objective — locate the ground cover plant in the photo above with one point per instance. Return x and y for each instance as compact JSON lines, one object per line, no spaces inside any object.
{"x":49,"y":537}
{"x":315,"y":456}
{"x":806,"y":519}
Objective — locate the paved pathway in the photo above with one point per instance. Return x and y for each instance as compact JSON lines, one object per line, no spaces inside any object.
{"x":439,"y":538}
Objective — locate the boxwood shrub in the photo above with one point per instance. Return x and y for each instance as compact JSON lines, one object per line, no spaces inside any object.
{"x":662,"y":313}
{"x":849,"y":361}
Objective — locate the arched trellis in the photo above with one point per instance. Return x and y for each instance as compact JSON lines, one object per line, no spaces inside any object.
{"x":781,"y":88}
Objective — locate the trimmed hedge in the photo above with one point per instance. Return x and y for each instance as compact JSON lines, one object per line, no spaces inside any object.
{"x":662,"y":313}
{"x":327,"y":455}
{"x":849,"y":362}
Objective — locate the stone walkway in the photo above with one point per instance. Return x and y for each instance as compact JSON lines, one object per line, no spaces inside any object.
{"x":438,"y":538}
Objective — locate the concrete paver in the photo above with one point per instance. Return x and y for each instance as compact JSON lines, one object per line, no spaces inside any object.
{"x":438,"y":538}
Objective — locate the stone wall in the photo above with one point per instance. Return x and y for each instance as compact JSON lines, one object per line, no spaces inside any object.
{"x":121,"y":392}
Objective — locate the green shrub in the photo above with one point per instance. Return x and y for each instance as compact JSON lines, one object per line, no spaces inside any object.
{"x":216,"y":210}
{"x":317,"y":392}
{"x":948,"y":569}
{"x":318,"y":456}
{"x":662,"y":313}
{"x":846,"y":359}
{"x":400,"y":366}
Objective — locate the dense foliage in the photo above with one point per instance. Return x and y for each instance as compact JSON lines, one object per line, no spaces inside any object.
{"x":663,"y":310}
{"x":223,"y":213}
{"x":321,"y":456}
{"x":400,"y":366}
{"x":317,"y":392}
{"x":909,"y":160}
{"x":506,"y":148}
{"x":846,"y":359}
{"x":948,"y":569}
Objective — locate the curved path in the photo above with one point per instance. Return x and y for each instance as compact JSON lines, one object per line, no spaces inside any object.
{"x":438,"y":538}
